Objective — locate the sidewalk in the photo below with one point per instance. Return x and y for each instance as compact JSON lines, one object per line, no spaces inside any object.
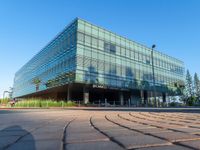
{"x":143,"y":109}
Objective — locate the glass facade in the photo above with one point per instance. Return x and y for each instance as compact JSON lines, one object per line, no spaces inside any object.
{"x":87,"y":54}
{"x":54,"y":65}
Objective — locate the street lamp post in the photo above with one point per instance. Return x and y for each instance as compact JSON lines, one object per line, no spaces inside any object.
{"x":5,"y":93}
{"x":154,"y":90}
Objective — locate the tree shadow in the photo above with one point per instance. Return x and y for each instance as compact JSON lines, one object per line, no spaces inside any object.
{"x":11,"y":137}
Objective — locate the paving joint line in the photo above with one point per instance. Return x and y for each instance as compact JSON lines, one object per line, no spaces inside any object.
{"x":187,"y":126}
{"x":145,"y":115}
{"x":109,"y":137}
{"x":187,"y":146}
{"x":173,"y":143}
{"x":142,"y":122}
{"x":169,"y":143}
{"x":170,"y":129}
{"x":63,"y":144}
{"x":167,"y":118}
{"x":161,"y":127}
{"x":176,"y":117}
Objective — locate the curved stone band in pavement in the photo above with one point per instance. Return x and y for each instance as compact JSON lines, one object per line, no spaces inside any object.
{"x":68,"y":129}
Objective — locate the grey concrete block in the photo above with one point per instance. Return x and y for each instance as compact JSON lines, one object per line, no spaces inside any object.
{"x":98,"y":145}
{"x":131,"y":142}
{"x":193,"y":144}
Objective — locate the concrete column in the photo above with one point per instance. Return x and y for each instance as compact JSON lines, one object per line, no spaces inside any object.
{"x":148,"y":97}
{"x":164,"y":97}
{"x":151,"y":97}
{"x":85,"y":95}
{"x":68,"y":92}
{"x":155,"y":99}
{"x":121,"y":98}
{"x":132,"y":99}
{"x":142,"y":96}
{"x":145,"y":94}
{"x":167,"y":99}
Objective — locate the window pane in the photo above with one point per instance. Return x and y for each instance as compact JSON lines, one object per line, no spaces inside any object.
{"x":81,"y":26}
{"x":94,"y":42}
{"x":107,"y":58}
{"x":80,"y":51}
{"x":87,"y":39}
{"x":101,"y":56}
{"x":95,"y":32}
{"x":106,"y":47}
{"x":123,"y":52}
{"x":107,"y":37}
{"x":80,"y":37}
{"x":101,"y":44}
{"x":87,"y":53}
{"x":118,"y":50}
{"x":127,"y":53}
{"x":112,"y":48}
{"x":88,"y":29}
{"x":94,"y":54}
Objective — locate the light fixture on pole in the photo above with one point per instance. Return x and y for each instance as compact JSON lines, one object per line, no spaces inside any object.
{"x":154,"y":90}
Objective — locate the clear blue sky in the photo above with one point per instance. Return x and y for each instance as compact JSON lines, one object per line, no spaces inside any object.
{"x":26,"y":26}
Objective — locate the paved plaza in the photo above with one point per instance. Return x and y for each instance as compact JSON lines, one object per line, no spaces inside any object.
{"x":99,"y":129}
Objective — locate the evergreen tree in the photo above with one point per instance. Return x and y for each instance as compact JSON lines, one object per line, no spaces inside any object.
{"x":196,"y":85}
{"x":189,"y":85}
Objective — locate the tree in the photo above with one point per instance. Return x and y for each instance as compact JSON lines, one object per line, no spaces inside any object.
{"x":196,"y":85}
{"x":189,"y":85}
{"x":10,"y":92}
{"x":37,"y":83}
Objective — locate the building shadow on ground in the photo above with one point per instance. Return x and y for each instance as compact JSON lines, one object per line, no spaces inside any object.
{"x":138,"y":109}
{"x":12,"y":137}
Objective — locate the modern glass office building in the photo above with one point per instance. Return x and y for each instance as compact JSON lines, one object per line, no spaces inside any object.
{"x":91,"y":64}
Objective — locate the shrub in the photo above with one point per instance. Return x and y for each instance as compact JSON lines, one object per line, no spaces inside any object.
{"x":191,"y":101}
{"x":4,"y":101}
{"x":172,"y":104}
{"x":44,"y":103}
